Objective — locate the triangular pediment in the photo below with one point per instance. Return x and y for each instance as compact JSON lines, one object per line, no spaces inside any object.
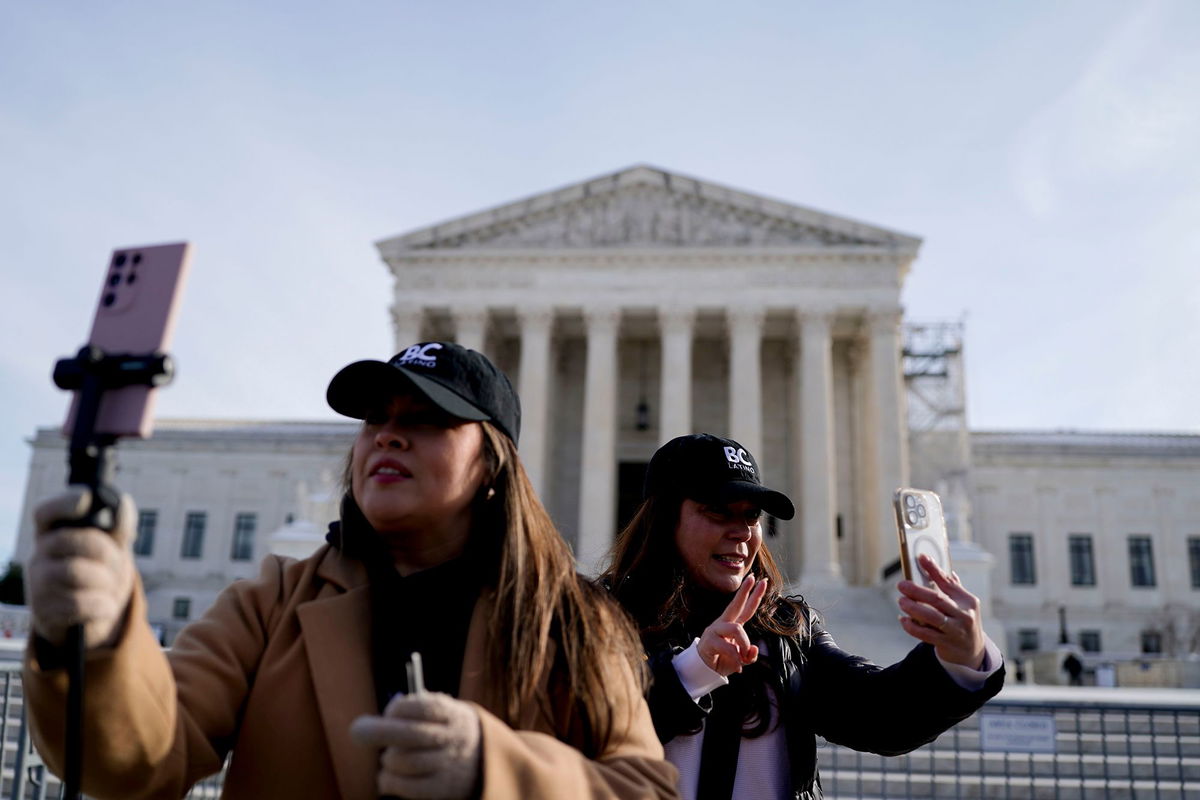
{"x":645,"y":207}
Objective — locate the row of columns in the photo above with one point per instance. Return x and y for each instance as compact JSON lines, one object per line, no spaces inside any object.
{"x":814,"y":486}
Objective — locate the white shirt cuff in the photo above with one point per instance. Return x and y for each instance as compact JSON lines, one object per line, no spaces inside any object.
{"x":696,"y":677}
{"x":973,"y":679}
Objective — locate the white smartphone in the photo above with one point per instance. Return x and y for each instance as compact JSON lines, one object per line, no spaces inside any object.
{"x":135,"y":315}
{"x":922,"y":530}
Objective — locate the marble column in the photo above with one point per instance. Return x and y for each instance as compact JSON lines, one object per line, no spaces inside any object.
{"x":407,"y":321}
{"x":818,"y":474}
{"x":745,"y":378}
{"x":888,"y":437}
{"x":470,"y":326}
{"x":534,"y":385}
{"x":675,"y":405}
{"x":598,"y":473}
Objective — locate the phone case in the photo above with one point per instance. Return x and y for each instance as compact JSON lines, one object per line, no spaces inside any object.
{"x":922,"y":531}
{"x":135,"y":315}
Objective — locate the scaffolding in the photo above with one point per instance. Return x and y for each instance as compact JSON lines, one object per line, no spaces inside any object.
{"x":939,"y":443}
{"x":933,"y":376}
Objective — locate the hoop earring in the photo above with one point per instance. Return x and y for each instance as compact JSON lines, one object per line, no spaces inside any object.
{"x":491,"y":492}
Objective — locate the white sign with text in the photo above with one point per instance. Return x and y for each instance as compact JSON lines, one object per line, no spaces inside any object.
{"x":1017,"y":733}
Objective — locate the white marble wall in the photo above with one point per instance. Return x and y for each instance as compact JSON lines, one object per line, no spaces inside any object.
{"x":1106,"y":485}
{"x":219,"y":468}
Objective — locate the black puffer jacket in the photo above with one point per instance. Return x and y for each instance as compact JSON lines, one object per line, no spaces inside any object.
{"x":841,"y":697}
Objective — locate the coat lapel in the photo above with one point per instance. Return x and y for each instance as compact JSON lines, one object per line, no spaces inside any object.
{"x":337,"y":640}
{"x":480,"y":679}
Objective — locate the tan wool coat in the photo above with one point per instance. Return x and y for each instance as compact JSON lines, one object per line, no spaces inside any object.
{"x":275,"y":672}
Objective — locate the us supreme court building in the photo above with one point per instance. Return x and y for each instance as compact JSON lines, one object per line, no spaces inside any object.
{"x":641,"y":305}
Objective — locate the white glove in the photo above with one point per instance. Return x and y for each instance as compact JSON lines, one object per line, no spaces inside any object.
{"x":80,"y":575}
{"x":431,"y":746}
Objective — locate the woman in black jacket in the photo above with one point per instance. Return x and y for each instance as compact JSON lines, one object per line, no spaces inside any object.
{"x":745,"y":678}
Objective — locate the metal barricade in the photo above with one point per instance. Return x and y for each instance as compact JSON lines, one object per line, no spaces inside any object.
{"x":1066,"y":745}
{"x":23,"y":775}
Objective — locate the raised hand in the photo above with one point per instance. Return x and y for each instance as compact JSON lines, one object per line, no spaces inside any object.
{"x":80,"y":575}
{"x":946,"y":616}
{"x":430,"y":744}
{"x":724,"y":646}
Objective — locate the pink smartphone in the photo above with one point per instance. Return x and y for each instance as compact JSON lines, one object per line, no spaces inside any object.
{"x":922,"y":530}
{"x":135,"y":315}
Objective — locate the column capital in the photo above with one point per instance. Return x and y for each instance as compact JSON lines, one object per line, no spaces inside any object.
{"x":535,"y":316}
{"x":884,"y":320}
{"x":676,"y":319}
{"x":814,"y":320}
{"x":602,"y":318}
{"x":746,"y":317}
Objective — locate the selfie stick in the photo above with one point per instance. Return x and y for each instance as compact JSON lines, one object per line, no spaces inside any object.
{"x":91,"y":373}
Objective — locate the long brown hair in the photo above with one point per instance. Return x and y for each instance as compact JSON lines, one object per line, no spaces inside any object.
{"x":540,"y":598}
{"x":648,"y":577}
{"x":547,"y":624}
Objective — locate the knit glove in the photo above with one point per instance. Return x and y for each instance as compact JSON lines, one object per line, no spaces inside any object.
{"x":431,"y":747}
{"x":80,"y":575}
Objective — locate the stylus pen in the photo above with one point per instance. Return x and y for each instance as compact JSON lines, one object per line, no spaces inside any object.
{"x":416,"y":674}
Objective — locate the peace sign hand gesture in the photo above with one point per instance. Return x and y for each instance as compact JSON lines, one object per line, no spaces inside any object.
{"x":724,"y":646}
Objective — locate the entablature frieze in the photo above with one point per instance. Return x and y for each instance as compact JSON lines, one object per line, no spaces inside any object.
{"x":693,"y":257}
{"x":473,"y":282}
{"x":639,"y":319}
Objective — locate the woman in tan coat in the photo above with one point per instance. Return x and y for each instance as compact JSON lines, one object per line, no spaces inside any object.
{"x":442,"y":549}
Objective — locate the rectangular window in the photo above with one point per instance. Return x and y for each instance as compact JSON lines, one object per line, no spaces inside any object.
{"x":182,"y":608}
{"x":1020,"y":558}
{"x":1083,"y":563}
{"x":1194,"y":560}
{"x":193,"y":534}
{"x":244,"y":526}
{"x":147,"y":522}
{"x":1141,"y":561}
{"x":1028,"y":640}
{"x":1089,"y":641}
{"x":1151,"y":643}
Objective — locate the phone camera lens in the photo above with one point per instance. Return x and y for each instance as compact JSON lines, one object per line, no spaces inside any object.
{"x":131,"y":278}
{"x":119,"y":260}
{"x":137,"y":258}
{"x":114,"y":279}
{"x":911,"y":516}
{"x":910,"y":501}
{"x":921,"y":512}
{"x":109,"y":299}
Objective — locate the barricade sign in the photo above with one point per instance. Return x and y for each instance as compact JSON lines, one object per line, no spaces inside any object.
{"x":1017,"y":733}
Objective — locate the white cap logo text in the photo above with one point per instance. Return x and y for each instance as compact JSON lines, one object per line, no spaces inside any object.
{"x":738,"y":455}
{"x":420,"y":354}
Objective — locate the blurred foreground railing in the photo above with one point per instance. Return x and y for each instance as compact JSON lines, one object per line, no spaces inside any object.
{"x":23,"y":775}
{"x":1033,"y":742}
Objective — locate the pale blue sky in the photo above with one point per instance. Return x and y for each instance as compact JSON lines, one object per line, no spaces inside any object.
{"x":1048,"y":153}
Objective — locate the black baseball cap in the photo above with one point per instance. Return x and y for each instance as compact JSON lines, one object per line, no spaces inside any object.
{"x":711,"y":470}
{"x":461,"y":382}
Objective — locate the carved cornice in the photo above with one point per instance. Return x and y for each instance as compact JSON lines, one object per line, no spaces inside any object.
{"x":692,"y":257}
